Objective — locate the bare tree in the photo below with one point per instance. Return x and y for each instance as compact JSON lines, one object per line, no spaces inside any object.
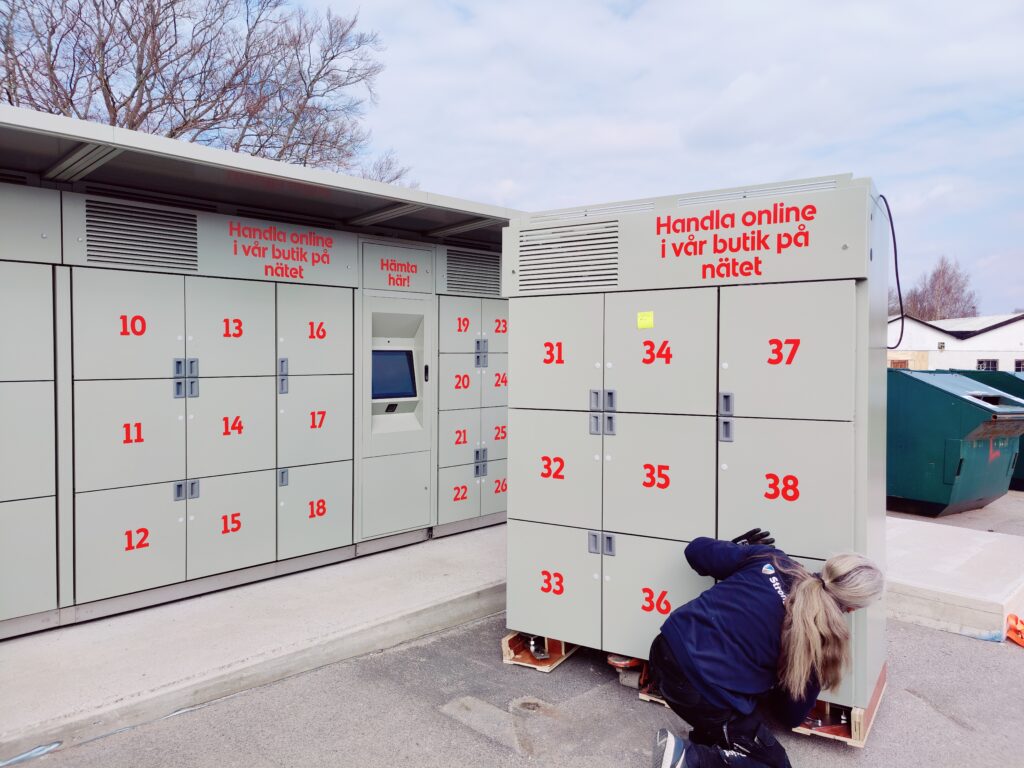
{"x":894,"y":302}
{"x":942,"y":293}
{"x":254,"y":76}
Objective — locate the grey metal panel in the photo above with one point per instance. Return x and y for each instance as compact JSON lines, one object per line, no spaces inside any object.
{"x":303,"y":524}
{"x":459,"y":436}
{"x":300,"y":311}
{"x":396,"y":494}
{"x":459,"y":324}
{"x":643,"y":582}
{"x":659,"y":476}
{"x":398,"y":267}
{"x":458,"y":494}
{"x":818,"y":522}
{"x":461,"y":526}
{"x":27,"y":448}
{"x":459,"y":382}
{"x":495,"y":324}
{"x":541,"y":323}
{"x":252,"y":401}
{"x":494,"y":388}
{"x":569,"y":607}
{"x":26,"y":321}
{"x":554,"y":443}
{"x":818,"y":383}
{"x":103,"y":458}
{"x":28,"y":557}
{"x":65,"y":453}
{"x":229,"y":326}
{"x":30,"y":221}
{"x":314,"y":420}
{"x":494,"y":488}
{"x":494,"y":432}
{"x":676,"y":333}
{"x":104,"y":565}
{"x":102,"y":297}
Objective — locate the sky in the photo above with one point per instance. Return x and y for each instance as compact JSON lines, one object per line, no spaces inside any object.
{"x":537,"y":104}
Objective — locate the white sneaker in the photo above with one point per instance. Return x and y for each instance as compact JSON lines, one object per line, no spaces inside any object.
{"x":669,"y":750}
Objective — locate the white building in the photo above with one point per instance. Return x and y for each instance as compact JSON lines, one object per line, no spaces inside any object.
{"x":993,"y":343}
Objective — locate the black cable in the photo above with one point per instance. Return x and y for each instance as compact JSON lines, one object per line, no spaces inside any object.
{"x":896,"y":263}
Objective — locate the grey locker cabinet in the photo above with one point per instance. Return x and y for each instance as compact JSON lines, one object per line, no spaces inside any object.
{"x":26,"y":322}
{"x":458,"y":493}
{"x":314,"y":420}
{"x":396,"y":493}
{"x":27,"y":447}
{"x":128,"y":540}
{"x":231,"y":426}
{"x":460,"y":324}
{"x":28,"y":557}
{"x":459,"y":437}
{"x":494,"y":432}
{"x":127,"y":325}
{"x":459,"y":382}
{"x":128,"y":433}
{"x":554,"y":582}
{"x":659,"y":476}
{"x":494,"y":488}
{"x":231,"y":523}
{"x":661,"y":350}
{"x":494,"y":381}
{"x":787,"y":351}
{"x":229,"y":326}
{"x":314,"y":508}
{"x":314,"y":329}
{"x":495,"y":324}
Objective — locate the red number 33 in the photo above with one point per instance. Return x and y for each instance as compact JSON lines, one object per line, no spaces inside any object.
{"x":553,"y":582}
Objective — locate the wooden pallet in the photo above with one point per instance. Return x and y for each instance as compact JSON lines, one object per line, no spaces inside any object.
{"x":515,"y":649}
{"x":848,"y":725}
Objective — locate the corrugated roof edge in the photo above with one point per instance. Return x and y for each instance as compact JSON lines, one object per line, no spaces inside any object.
{"x":963,"y":334}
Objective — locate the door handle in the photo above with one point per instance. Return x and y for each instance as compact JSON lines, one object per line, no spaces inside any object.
{"x":725,"y":430}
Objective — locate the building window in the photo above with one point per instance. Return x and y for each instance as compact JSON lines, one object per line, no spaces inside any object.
{"x":988,"y":365}
{"x":899,"y":363}
{"x":1018,"y":366}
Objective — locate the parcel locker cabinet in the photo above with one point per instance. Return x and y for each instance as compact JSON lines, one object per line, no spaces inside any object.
{"x":26,"y":322}
{"x":28,"y":557}
{"x":27,"y":445}
{"x":231,"y":426}
{"x":459,"y":437}
{"x":314,"y":508}
{"x":314,"y":329}
{"x":458,"y":493}
{"x":229,"y":327}
{"x":314,"y":420}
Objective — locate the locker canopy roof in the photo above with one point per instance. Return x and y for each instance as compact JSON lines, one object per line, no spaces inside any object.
{"x":89,"y":157}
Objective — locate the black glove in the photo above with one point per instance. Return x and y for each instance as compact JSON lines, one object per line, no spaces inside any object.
{"x":755,"y":536}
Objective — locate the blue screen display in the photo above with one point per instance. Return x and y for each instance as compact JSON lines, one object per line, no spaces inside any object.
{"x":393,"y":375}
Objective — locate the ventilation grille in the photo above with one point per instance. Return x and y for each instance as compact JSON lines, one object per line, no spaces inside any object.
{"x":13,"y":177}
{"x":145,"y":196}
{"x":570,"y":257}
{"x":130,"y":235}
{"x":478,"y":274}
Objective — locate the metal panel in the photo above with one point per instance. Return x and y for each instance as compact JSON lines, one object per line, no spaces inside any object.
{"x":643,"y":582}
{"x":459,"y":324}
{"x":495,"y":324}
{"x":396,"y":493}
{"x":794,"y":478}
{"x":314,"y":329}
{"x":27,"y":449}
{"x":28,"y":557}
{"x":555,"y":468}
{"x":494,"y":386}
{"x":127,"y":325}
{"x":127,"y":540}
{"x":661,"y":350}
{"x":659,"y":476}
{"x":128,"y":433}
{"x":778,"y":355}
{"x":553,"y":329}
{"x":554,"y":583}
{"x":459,"y":437}
{"x":458,"y":493}
{"x":229,"y":326}
{"x":494,"y":488}
{"x":314,"y":420}
{"x":494,"y":432}
{"x":30,"y":221}
{"x":459,"y":382}
{"x":232,"y":524}
{"x":26,"y":321}
{"x":398,"y":267}
{"x":231,"y":426}
{"x":314,"y":511}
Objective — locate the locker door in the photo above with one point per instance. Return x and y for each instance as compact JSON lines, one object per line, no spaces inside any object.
{"x":787,"y":350}
{"x":229,"y":326}
{"x":396,"y":493}
{"x":643,"y":581}
{"x":314,"y":328}
{"x":495,"y":382}
{"x":128,"y":433}
{"x":494,"y":488}
{"x":314,"y":420}
{"x":661,"y":350}
{"x":28,"y":557}
{"x":459,"y":324}
{"x":458,"y":494}
{"x":231,"y":426}
{"x":27,"y":451}
{"x":127,"y":325}
{"x":558,"y":346}
{"x":231,"y":524}
{"x":495,"y":324}
{"x":459,"y":382}
{"x":314,"y":509}
{"x":459,"y":437}
{"x":554,"y":582}
{"x":26,"y":322}
{"x":555,"y":468}
{"x":794,"y":478}
{"x":128,"y":540}
{"x":659,"y":476}
{"x":494,"y":432}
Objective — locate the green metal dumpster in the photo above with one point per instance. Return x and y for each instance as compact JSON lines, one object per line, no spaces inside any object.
{"x":1011,"y":384}
{"x":953,"y":442}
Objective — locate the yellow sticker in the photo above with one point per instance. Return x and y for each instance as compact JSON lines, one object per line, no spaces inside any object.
{"x":644,"y":320}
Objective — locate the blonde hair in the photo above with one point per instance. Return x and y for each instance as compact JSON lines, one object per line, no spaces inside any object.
{"x":815,"y":638}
